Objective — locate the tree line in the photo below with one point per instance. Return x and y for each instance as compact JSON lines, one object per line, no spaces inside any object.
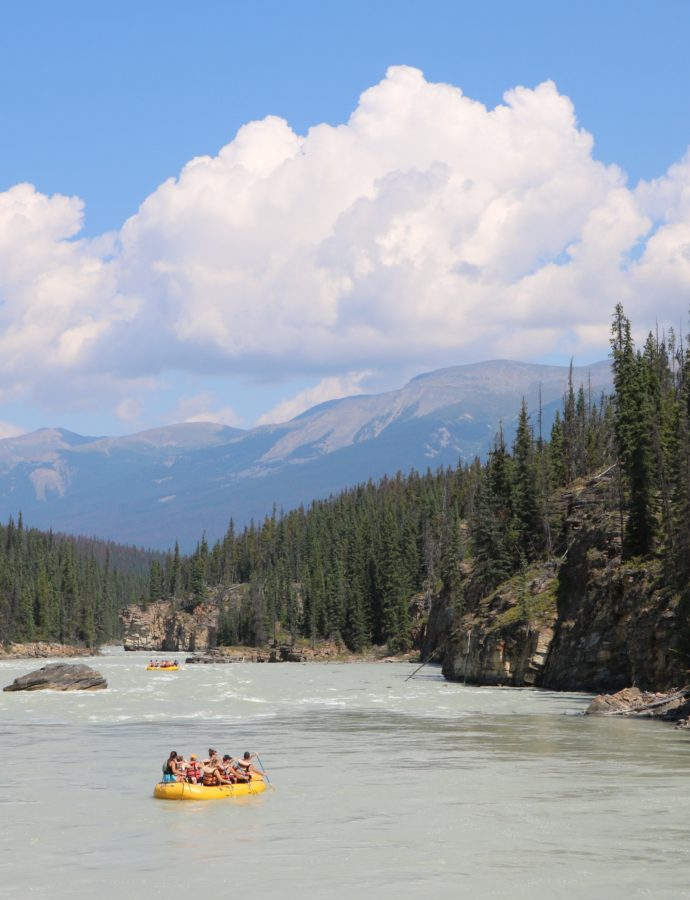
{"x":64,"y":589}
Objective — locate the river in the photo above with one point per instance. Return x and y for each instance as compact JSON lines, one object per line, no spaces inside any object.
{"x":383,"y":788}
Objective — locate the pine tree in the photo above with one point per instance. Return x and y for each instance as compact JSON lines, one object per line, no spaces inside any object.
{"x":198,"y":581}
{"x":69,"y":600}
{"x":530,"y":537}
{"x":174,"y":585}
{"x":490,"y":544}
{"x":47,"y":619}
{"x":633,"y":435}
{"x":556,"y":454}
{"x":156,"y":590}
{"x":394,"y":591}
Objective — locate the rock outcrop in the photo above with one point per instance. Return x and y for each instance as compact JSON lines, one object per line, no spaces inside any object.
{"x":671,"y":706}
{"x":41,"y":650}
{"x":164,"y":627}
{"x":592,"y":622}
{"x":506,"y":638}
{"x":322,"y":651}
{"x":618,"y":624}
{"x":60,"y":677}
{"x":225,"y":655}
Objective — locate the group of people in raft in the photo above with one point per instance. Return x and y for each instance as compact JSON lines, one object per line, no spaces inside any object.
{"x":162,"y":663}
{"x":212,"y":771}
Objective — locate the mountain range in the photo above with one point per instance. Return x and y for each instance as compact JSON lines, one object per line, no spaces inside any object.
{"x":177,"y":482}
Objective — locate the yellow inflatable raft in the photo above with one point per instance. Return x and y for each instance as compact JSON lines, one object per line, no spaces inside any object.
{"x":179,"y":790}
{"x":162,"y":668}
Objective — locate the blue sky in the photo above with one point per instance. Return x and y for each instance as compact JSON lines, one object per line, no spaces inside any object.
{"x":105,"y":104}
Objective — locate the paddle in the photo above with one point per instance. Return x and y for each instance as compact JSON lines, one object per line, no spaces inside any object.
{"x":265,"y":773}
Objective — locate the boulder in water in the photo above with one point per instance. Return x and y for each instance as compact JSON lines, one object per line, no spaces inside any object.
{"x":644,"y":704}
{"x":625,"y":701}
{"x":60,"y":677}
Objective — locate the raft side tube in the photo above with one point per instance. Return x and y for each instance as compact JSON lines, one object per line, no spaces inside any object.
{"x":180,"y":790}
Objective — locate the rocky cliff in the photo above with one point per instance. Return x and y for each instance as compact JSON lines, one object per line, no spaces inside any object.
{"x":587,"y":621}
{"x":619,"y":624}
{"x":505,"y":637}
{"x":164,"y":627}
{"x":178,"y":625}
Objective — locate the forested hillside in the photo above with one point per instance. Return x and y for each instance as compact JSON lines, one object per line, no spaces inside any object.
{"x":69,"y":590}
{"x":347,"y":567}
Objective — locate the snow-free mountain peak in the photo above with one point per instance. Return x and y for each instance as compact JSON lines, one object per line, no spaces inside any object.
{"x":177,"y":481}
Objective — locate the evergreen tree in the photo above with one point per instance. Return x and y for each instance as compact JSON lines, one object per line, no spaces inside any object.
{"x":556,"y":454}
{"x":633,"y":428}
{"x":198,"y":580}
{"x":528,"y":519}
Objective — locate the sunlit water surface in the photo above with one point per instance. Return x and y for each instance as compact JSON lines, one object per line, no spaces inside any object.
{"x":384,"y":787}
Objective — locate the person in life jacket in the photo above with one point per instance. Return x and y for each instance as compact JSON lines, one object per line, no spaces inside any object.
{"x":245,"y":767}
{"x":212,"y":759}
{"x":213,"y":775}
{"x":193,"y":773}
{"x":210,"y":776}
{"x":229,"y":769}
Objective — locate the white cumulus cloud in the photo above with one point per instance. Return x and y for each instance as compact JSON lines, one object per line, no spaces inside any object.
{"x":427,"y":229}
{"x":8,"y":430}
{"x":203,"y":407}
{"x":327,"y":389}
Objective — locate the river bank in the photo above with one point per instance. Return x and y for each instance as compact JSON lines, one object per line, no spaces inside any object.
{"x":321,"y":651}
{"x":42,"y":650}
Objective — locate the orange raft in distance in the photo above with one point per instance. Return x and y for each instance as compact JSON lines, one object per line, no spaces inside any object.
{"x":180,"y":790}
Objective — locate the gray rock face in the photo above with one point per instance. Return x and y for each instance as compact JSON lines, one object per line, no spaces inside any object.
{"x":503,"y":639}
{"x":618,"y":623}
{"x":60,"y":677}
{"x":162,"y":627}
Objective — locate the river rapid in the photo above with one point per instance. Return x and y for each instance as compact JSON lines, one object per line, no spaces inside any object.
{"x":384,"y":788}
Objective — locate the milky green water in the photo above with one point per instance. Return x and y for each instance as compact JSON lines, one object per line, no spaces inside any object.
{"x":385,"y":788}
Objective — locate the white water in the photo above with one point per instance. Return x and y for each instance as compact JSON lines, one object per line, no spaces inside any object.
{"x":385,"y":788}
